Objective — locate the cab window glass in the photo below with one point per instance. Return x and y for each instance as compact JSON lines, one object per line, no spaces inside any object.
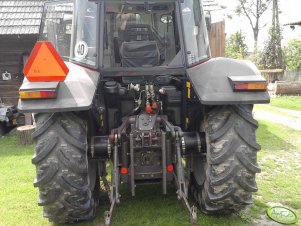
{"x":85,"y":26}
{"x":137,"y":36}
{"x":195,"y":31}
{"x":56,"y":27}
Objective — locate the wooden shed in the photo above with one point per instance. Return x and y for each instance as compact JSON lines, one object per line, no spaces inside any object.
{"x":19,"y":27}
{"x":293,"y":24}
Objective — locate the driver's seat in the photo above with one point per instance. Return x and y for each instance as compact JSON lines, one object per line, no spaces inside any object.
{"x":139,"y":48}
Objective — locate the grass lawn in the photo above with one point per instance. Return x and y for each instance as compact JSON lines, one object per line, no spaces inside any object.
{"x":279,"y":182}
{"x":280,"y":162}
{"x":289,"y":102}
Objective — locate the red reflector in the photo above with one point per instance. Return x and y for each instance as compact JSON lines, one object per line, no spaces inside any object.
{"x":169,"y":168}
{"x":241,"y":86}
{"x":48,"y":94}
{"x":124,"y":170}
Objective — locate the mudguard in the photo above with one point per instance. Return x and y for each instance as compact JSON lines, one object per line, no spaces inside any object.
{"x":74,"y":94}
{"x":212,"y":85}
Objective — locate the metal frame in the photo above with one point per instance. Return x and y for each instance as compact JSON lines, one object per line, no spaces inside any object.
{"x":176,"y":140}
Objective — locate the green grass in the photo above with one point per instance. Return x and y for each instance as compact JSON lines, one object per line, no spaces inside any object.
{"x":279,"y":182}
{"x":289,"y":102}
{"x":280,"y":161}
{"x":17,"y":196}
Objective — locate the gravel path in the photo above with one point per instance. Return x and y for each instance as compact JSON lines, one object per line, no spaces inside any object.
{"x":282,"y":116}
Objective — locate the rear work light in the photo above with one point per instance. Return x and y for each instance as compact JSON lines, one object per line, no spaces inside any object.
{"x":46,"y":94}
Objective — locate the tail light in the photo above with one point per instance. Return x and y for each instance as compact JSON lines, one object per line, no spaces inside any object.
{"x":250,"y":86}
{"x":46,"y":94}
{"x":248,"y":83}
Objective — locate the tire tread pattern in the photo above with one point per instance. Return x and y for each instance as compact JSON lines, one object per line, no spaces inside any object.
{"x":231,"y":160}
{"x":62,"y":168}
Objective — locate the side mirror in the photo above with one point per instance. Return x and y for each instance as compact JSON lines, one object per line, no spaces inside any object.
{"x":208,"y":20}
{"x":166,"y":19}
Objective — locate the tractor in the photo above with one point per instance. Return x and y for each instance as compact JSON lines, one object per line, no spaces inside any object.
{"x":131,"y":84}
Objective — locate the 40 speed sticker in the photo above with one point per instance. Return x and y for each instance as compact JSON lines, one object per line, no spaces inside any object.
{"x":81,"y":50}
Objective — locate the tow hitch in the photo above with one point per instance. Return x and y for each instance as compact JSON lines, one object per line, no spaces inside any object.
{"x":138,"y":143}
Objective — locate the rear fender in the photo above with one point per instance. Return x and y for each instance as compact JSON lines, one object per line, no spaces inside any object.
{"x":212,"y":85}
{"x":76,"y":93}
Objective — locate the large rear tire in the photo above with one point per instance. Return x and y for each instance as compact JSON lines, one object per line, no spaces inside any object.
{"x":231,"y":164}
{"x":65,"y":178}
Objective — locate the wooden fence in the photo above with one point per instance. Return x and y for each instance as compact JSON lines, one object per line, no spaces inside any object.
{"x":292,"y":76}
{"x":217,"y":39}
{"x":281,"y":75}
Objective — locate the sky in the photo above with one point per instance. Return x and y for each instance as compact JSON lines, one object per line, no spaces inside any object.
{"x":290,"y":12}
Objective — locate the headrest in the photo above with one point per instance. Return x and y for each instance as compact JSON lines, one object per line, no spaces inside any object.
{"x":138,"y":32}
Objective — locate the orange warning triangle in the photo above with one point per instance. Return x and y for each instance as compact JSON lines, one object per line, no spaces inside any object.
{"x":45,"y":64}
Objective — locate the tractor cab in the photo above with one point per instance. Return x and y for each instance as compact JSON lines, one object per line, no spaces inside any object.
{"x":127,"y":34}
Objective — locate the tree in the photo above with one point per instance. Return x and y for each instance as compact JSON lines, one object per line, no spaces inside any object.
{"x":292,"y":55}
{"x":256,"y":58}
{"x":236,"y":47}
{"x":253,"y":10}
{"x":272,"y":55}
